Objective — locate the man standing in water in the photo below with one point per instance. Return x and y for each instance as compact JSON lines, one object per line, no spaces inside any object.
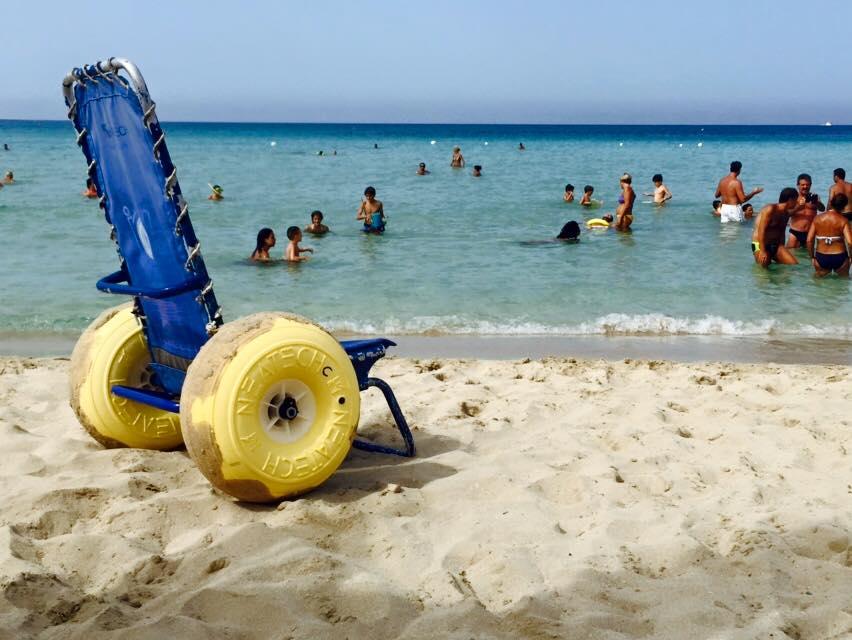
{"x":732,"y":194}
{"x":804,"y":214}
{"x":768,"y":238}
{"x":841,"y":186}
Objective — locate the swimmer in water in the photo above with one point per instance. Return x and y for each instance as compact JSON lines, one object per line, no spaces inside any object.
{"x":10,"y":178}
{"x":624,"y":211}
{"x":748,"y":211}
{"x":717,"y":208}
{"x":265,"y":241}
{"x":216,"y":192}
{"x":477,"y":171}
{"x":841,"y":186}
{"x":570,"y":232}
{"x":569,"y":193}
{"x":422,"y":170}
{"x":6,"y":147}
{"x":829,"y":239}
{"x":804,"y":213}
{"x":294,"y":251}
{"x":457,"y":161}
{"x":369,"y":208}
{"x":661,"y":192}
{"x":767,"y":240}
{"x":730,"y":191}
{"x":521,"y":147}
{"x":586,"y":200}
{"x":316,"y":227}
{"x":91,"y":191}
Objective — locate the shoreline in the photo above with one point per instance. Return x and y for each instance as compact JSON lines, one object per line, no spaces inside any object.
{"x":686,"y":349}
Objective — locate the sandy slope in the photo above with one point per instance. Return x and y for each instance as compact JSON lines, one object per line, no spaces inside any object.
{"x":550,"y":499}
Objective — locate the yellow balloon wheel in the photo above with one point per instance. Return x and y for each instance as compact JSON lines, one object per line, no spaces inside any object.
{"x":112,"y":351}
{"x":270,"y":407}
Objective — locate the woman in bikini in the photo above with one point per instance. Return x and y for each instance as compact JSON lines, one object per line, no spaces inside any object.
{"x":458,"y":159}
{"x":828,"y":240}
{"x":624,"y":211}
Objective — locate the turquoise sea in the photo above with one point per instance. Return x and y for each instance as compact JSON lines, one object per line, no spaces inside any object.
{"x":454,"y":258}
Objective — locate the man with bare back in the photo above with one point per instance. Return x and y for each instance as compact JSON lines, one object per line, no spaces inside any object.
{"x":730,"y":191}
{"x":841,"y":186}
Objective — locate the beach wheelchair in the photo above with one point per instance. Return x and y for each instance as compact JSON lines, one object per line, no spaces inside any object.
{"x":268,"y":405}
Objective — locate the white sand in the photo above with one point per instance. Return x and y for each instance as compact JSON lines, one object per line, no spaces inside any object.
{"x":553,"y":499}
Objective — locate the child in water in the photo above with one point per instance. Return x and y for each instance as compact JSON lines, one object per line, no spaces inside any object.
{"x":569,"y":193}
{"x":294,"y":251}
{"x":316,"y":227}
{"x":216,"y":192}
{"x":748,"y":211}
{"x":369,"y":209}
{"x":717,"y":208}
{"x":265,"y":241}
{"x":477,"y":171}
{"x":586,"y":200}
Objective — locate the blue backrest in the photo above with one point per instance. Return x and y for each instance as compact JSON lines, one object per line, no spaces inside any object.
{"x":131,"y":167}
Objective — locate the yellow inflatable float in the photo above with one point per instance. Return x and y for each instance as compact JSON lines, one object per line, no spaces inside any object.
{"x":597,"y":223}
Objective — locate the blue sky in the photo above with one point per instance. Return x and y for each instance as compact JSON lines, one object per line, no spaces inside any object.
{"x":657,"y":61}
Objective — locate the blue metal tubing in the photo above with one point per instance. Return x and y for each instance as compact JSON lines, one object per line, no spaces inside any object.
{"x":401,"y":424}
{"x":111,"y":284}
{"x":151,"y":398}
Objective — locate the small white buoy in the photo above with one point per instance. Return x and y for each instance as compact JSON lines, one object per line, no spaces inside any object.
{"x":680,"y":145}
{"x":486,"y":143}
{"x":700,"y":144}
{"x":273,"y":143}
{"x":620,"y":144}
{"x":434,"y":142}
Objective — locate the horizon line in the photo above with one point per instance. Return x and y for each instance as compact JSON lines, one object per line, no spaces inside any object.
{"x":827,"y":125}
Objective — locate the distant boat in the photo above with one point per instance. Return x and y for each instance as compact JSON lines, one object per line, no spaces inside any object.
{"x":827,"y":123}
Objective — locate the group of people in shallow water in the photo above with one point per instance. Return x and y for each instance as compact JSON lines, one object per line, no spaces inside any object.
{"x":824,"y":232}
{"x":371,"y":213}
{"x":622,"y":218}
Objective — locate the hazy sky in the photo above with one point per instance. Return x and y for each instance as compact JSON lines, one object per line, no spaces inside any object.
{"x":656,"y":61}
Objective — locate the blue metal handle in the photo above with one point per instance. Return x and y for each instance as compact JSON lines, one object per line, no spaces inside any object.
{"x":398,"y":417}
{"x":112,"y":284}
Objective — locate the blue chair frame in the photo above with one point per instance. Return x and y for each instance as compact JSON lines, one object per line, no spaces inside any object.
{"x":159,"y":254}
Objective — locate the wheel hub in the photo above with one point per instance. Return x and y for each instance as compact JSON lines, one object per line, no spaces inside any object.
{"x":287,"y":410}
